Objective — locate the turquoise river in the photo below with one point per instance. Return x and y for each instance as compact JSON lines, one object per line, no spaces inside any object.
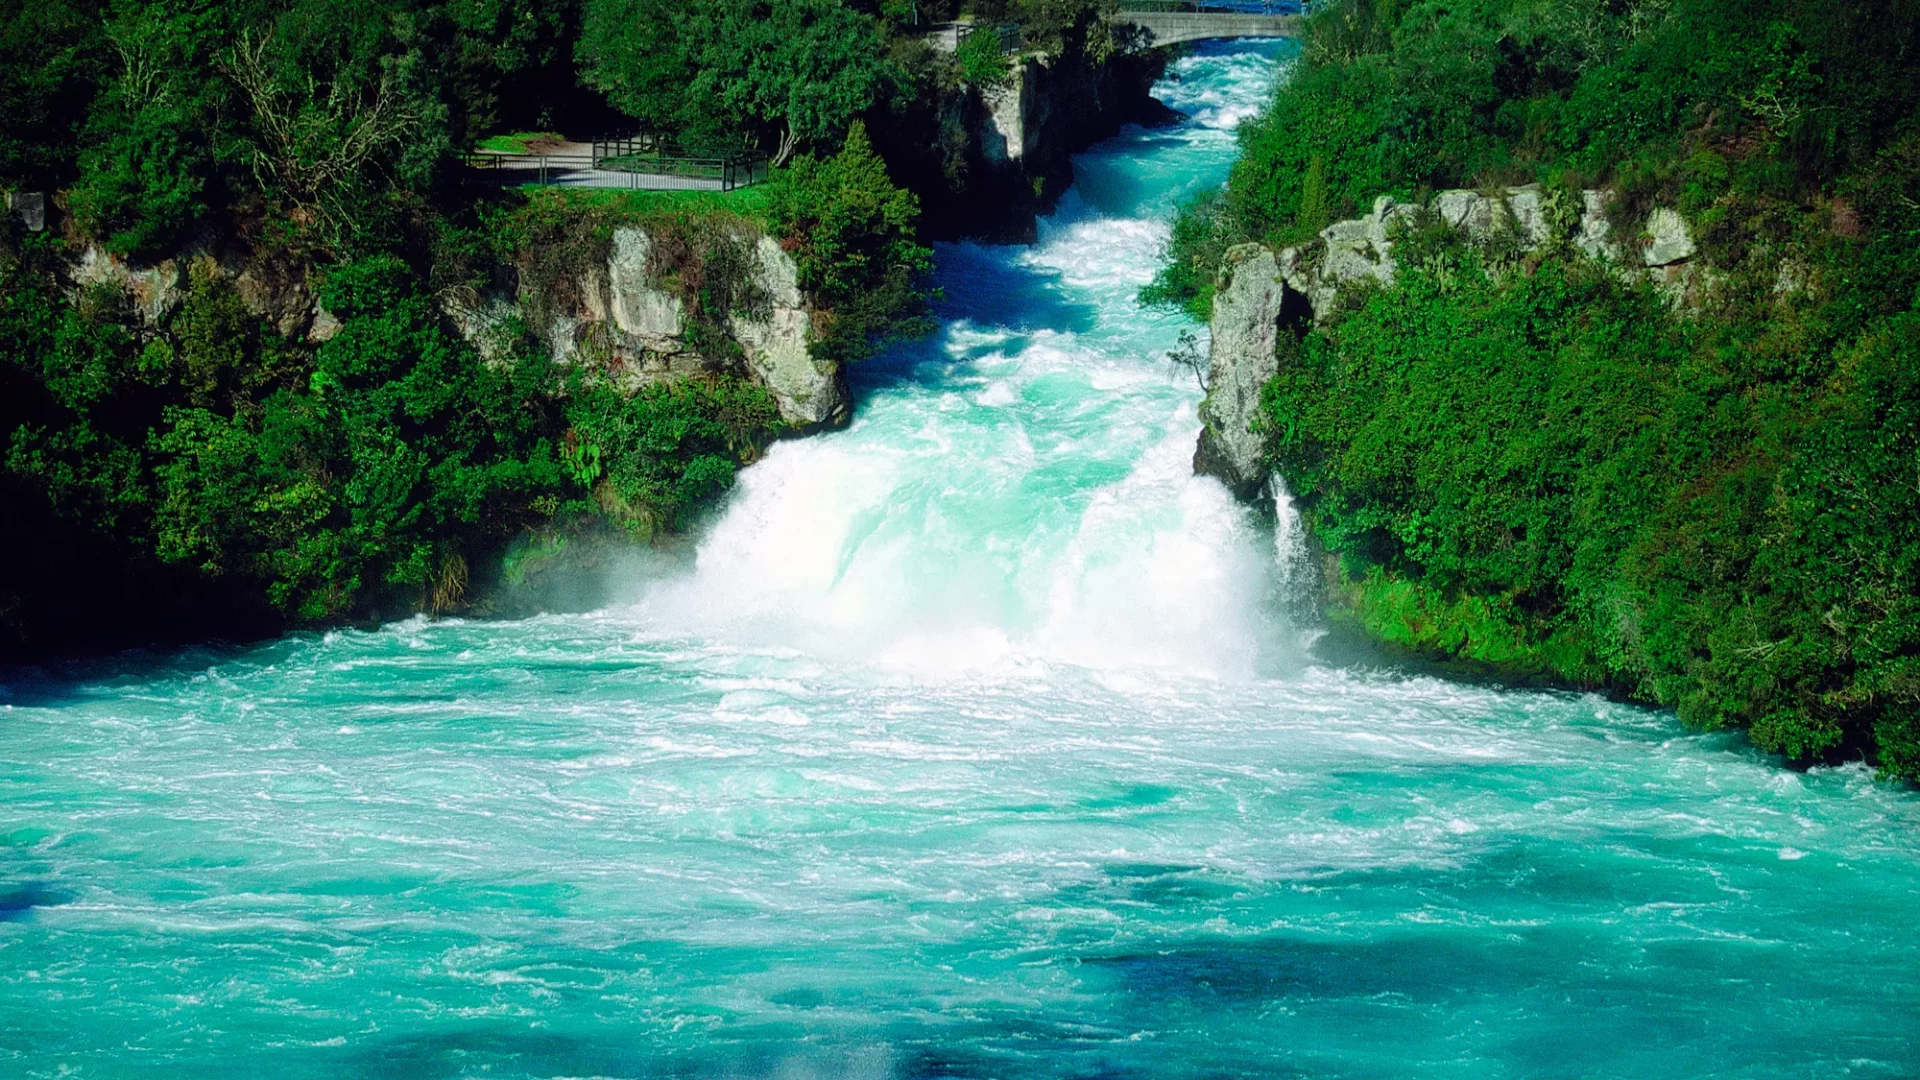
{"x":971,"y":741}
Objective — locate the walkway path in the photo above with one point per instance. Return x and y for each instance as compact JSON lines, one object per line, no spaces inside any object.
{"x":578,"y":164}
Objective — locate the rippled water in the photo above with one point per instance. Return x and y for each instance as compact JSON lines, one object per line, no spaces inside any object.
{"x":970,"y":744}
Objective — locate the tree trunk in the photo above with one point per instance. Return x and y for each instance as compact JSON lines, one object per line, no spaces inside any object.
{"x":788,"y":140}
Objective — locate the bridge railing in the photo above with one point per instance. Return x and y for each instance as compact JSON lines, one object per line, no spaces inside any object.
{"x":1203,"y":7}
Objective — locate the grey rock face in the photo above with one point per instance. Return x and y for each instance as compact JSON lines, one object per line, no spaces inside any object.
{"x":279,"y":294}
{"x":1596,"y":231}
{"x":1009,"y":115}
{"x":1362,"y":248}
{"x":29,"y":208}
{"x":154,"y":290}
{"x":638,"y":309}
{"x":776,"y":348}
{"x":1667,"y":239}
{"x":1260,"y":290}
{"x":1245,"y":327}
{"x":637,"y":331}
{"x":1528,"y":210}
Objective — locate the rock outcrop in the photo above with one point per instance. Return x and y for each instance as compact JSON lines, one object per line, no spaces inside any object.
{"x":280,"y":294}
{"x":1247,"y":313}
{"x":623,"y":320}
{"x":1000,"y":155}
{"x":1260,"y":292}
{"x":1668,"y":240}
{"x":640,"y":332}
{"x":28,"y":209}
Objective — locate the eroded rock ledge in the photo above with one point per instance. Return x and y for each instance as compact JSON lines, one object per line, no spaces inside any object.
{"x":1262,"y":293}
{"x":615,"y":317}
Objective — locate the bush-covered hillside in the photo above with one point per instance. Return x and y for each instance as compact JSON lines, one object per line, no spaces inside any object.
{"x":195,"y":468}
{"x":1542,"y":464}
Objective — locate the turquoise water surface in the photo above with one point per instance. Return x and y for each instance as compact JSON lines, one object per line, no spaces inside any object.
{"x":971,"y":741}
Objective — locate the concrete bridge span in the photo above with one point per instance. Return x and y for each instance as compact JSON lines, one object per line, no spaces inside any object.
{"x":1174,"y":27}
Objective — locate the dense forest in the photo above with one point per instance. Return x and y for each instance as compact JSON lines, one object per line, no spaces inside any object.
{"x":1546,"y":466}
{"x":209,"y":471}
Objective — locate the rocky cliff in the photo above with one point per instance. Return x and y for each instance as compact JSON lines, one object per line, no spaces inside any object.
{"x":1001,"y":155}
{"x":273,"y":290}
{"x":1262,"y":293}
{"x":1249,"y":309}
{"x":619,"y":314}
{"x":615,"y":313}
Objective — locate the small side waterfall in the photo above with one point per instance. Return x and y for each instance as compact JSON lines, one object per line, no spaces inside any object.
{"x":1293,"y":567}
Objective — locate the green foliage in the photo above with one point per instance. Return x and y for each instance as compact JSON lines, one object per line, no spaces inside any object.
{"x":343,"y":125}
{"x":159,"y":134}
{"x":851,"y":231}
{"x":1393,"y":97}
{"x":698,"y":250}
{"x":318,"y":124}
{"x":53,"y":57}
{"x":322,"y":480}
{"x":1554,"y":474}
{"x":719,"y":74}
{"x":1055,"y":28}
{"x":980,"y":59}
{"x":204,"y":468}
{"x":518,"y":142}
{"x":1538,"y":467}
{"x":661,"y":454}
{"x":1190,"y":261}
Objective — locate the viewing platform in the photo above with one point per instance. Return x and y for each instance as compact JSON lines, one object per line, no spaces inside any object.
{"x":618,"y":163}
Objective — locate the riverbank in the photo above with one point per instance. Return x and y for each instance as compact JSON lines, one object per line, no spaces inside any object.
{"x":244,"y":439}
{"x":1632,"y":410}
{"x":200,"y":442}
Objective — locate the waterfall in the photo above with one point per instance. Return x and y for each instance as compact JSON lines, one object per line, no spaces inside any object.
{"x":950,"y":756}
{"x":1293,"y":566}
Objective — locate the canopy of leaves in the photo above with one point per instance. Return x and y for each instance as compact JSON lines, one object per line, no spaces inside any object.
{"x":1675,"y":101}
{"x":851,"y":231}
{"x":1539,"y":466}
{"x":168,"y":120}
{"x":728,"y":74}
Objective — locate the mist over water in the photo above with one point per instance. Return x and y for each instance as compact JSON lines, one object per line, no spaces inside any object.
{"x":973,"y":741}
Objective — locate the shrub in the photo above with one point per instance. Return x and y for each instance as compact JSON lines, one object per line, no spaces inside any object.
{"x":656,"y":457}
{"x":980,"y":59}
{"x":851,"y":232}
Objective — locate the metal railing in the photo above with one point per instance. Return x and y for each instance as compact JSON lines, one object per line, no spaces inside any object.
{"x":649,"y":157}
{"x":633,"y":164}
{"x":946,"y":37}
{"x":1215,"y":7}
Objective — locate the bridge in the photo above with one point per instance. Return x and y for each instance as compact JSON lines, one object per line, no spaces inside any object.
{"x":1174,"y":27}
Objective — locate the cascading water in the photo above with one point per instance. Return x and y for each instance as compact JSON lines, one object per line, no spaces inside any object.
{"x":970,"y":746}
{"x":1292,"y":562}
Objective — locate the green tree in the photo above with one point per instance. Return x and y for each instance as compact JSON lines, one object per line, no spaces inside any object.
{"x":777,"y":74}
{"x":1542,"y":467}
{"x":657,"y":456}
{"x":53,"y":56}
{"x":342,"y":118}
{"x":852,"y":233}
{"x":156,"y":142}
